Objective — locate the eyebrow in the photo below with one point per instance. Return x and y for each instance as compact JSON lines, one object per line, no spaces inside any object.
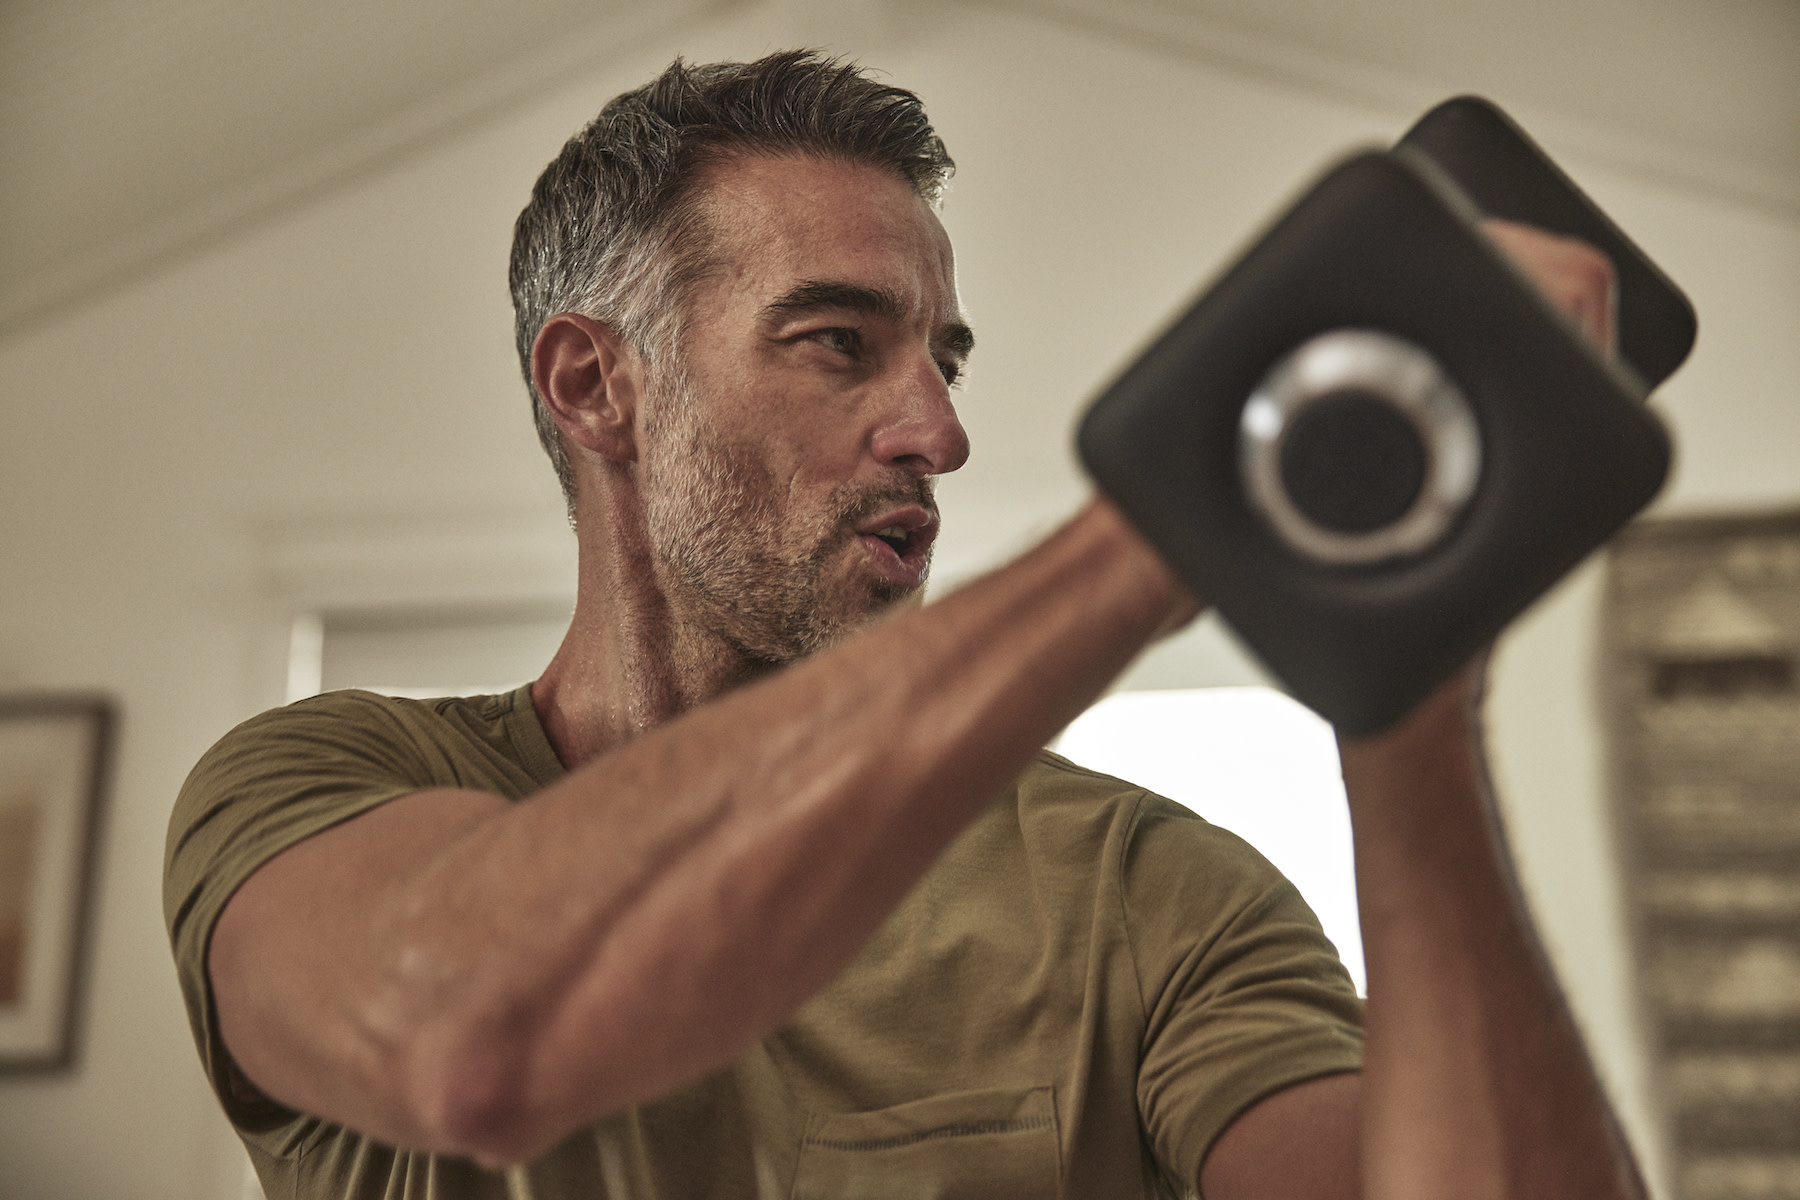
{"x":814,"y":295}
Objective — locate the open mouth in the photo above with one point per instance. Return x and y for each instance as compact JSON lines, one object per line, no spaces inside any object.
{"x":908,"y":533}
{"x":896,"y":537}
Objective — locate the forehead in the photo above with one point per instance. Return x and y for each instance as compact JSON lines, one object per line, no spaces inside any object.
{"x":780,"y":221}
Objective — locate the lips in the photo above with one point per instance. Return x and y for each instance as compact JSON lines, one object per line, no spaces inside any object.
{"x":899,"y":542}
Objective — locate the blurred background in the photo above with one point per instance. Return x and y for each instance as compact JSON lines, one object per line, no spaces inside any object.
{"x":257,"y":388}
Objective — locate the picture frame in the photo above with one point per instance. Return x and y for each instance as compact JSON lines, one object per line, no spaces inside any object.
{"x":55,"y":764}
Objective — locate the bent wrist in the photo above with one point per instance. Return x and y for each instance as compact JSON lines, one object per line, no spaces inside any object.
{"x":1172,"y":602}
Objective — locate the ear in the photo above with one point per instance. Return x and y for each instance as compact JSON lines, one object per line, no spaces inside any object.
{"x":591,"y":380}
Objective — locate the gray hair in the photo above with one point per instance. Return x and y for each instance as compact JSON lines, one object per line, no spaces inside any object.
{"x":614,"y":228}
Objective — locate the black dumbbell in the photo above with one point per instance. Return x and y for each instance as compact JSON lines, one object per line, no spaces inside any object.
{"x":1372,"y":442}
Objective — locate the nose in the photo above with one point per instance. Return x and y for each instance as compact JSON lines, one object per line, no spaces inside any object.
{"x":920,"y":431}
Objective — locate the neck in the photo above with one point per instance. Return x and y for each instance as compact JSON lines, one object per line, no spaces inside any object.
{"x":629,"y":662}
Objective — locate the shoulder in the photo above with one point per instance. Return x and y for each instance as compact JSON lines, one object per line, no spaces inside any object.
{"x":1151,"y":832}
{"x":362,"y":734}
{"x":1051,"y":775}
{"x":351,"y":723}
{"x":297,"y":770}
{"x":352,"y":720}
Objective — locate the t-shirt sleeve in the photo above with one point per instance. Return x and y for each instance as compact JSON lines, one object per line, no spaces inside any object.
{"x":271,"y":782}
{"x":1243,"y":993}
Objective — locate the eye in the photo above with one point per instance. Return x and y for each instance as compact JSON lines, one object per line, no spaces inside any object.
{"x":841,"y":341}
{"x":950,"y":370}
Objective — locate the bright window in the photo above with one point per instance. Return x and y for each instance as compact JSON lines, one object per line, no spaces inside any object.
{"x":462,"y":651}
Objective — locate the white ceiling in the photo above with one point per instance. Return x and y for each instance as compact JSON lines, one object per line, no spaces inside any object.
{"x":1703,"y":90}
{"x":132,"y":131}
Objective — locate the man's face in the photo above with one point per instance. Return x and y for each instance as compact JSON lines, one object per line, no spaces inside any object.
{"x":789,"y":442}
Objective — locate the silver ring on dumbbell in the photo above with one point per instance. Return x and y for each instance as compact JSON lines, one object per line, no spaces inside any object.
{"x":1357,"y":447}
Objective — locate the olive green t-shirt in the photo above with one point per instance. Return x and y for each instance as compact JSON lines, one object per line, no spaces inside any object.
{"x":1076,"y":999}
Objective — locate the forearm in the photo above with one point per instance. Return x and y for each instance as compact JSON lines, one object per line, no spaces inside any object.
{"x":1476,"y":1080}
{"x":833,"y":786}
{"x":643,"y":920}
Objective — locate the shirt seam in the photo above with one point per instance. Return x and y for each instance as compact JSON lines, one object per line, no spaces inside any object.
{"x":1118,"y":884}
{"x":959,"y":1129}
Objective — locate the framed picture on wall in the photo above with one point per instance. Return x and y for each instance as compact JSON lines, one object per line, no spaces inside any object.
{"x":55,"y":754}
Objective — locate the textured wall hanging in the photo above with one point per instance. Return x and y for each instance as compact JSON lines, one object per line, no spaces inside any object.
{"x":1703,"y":695}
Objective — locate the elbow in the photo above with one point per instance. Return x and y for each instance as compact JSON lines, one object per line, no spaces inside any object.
{"x":498,"y":1094}
{"x":475,"y":1101}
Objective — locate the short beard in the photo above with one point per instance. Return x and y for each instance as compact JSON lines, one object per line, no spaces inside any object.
{"x":715,"y":531}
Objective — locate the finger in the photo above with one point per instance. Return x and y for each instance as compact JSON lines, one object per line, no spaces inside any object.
{"x":1577,"y":278}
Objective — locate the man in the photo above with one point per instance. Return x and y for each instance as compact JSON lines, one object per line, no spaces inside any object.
{"x":758,"y":891}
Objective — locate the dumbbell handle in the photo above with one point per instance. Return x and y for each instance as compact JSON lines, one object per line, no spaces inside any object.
{"x":1505,"y":174}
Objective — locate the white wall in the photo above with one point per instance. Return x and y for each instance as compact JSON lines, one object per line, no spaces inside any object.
{"x":344,"y":372}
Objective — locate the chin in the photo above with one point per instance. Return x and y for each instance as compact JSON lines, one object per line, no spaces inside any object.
{"x":885,"y":597}
{"x":911,"y":598}
{"x":880,"y":600}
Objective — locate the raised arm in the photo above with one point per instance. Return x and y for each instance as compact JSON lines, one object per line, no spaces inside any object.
{"x":1475,"y":1081}
{"x":454,"y":972}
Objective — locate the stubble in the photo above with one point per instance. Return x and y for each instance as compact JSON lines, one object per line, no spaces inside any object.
{"x":734,"y":561}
